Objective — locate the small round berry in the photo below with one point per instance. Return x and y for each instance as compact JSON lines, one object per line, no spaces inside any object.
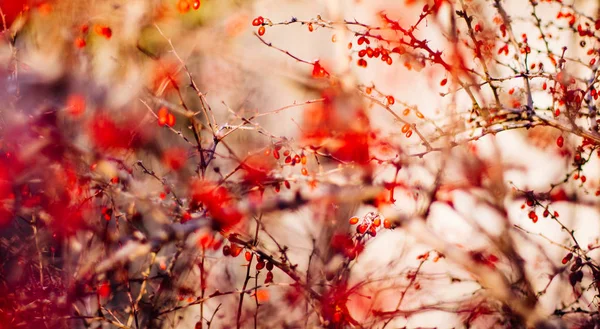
{"x":390,"y":100}
{"x":226,"y":250}
{"x":387,"y":224}
{"x":196,"y":4}
{"x":183,"y":6}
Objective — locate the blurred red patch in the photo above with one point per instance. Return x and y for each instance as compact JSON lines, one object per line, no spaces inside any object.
{"x":257,"y":169}
{"x":107,"y":134}
{"x":174,"y":158}
{"x":218,"y":202}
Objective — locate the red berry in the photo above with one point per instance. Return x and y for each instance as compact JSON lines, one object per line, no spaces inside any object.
{"x":106,"y":32}
{"x":533,"y":216}
{"x":372,"y":231}
{"x":80,"y":42}
{"x":235,"y":250}
{"x":390,"y":100}
{"x":269,"y":277}
{"x":560,"y":141}
{"x":387,"y":224}
{"x":362,"y":228}
{"x":567,"y":258}
{"x":226,"y":250}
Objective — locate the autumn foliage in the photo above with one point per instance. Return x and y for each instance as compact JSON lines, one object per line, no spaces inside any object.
{"x":349,"y":164}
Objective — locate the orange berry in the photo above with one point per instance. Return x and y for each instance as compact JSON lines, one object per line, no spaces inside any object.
{"x":162,"y":114}
{"x":387,"y":224}
{"x":405,"y":128}
{"x":170,"y":120}
{"x":353,"y":221}
{"x":261,"y":31}
{"x":183,"y":6}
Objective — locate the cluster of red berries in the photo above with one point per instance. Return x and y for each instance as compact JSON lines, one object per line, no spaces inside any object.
{"x":290,"y":159}
{"x":530,"y":202}
{"x":259,"y":21}
{"x":374,"y":52}
{"x":369,"y":224}
{"x":235,"y":250}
